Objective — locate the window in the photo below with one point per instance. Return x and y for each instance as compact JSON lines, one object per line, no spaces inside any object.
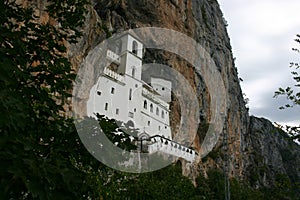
{"x":99,"y":93}
{"x":148,"y":123}
{"x":162,"y":114}
{"x":133,"y":72}
{"x":112,"y":90}
{"x":159,"y":128}
{"x":162,"y":88}
{"x":117,"y":111}
{"x":134,"y":110}
{"x":130,"y":94}
{"x":145,"y":104}
{"x":134,"y":47}
{"x":157,"y":111}
{"x":151,"y":107}
{"x":106,"y":106}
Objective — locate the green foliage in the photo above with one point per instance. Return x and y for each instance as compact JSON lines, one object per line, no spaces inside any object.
{"x":39,"y":148}
{"x":119,"y":135}
{"x":292,"y":94}
{"x":167,"y":183}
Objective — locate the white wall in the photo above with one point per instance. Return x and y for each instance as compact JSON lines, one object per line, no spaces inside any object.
{"x":163,"y":87}
{"x":126,"y":101}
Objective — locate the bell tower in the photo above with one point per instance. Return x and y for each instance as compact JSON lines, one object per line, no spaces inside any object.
{"x":131,"y":56}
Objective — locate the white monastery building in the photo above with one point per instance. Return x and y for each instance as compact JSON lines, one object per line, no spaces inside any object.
{"x":121,"y":94}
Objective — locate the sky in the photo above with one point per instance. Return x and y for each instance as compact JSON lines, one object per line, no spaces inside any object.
{"x":262,"y":34}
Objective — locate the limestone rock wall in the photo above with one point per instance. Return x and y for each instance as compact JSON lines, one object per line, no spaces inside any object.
{"x":269,"y":154}
{"x":203,"y":21}
{"x":200,"y":19}
{"x":252,"y":146}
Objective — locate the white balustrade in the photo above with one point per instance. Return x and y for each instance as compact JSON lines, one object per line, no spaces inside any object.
{"x":160,"y":144}
{"x":113,"y":57}
{"x":113,"y":75}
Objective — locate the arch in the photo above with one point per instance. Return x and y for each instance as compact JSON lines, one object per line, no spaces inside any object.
{"x":129,"y":124}
{"x":157,"y":111}
{"x":134,"y":47}
{"x":179,"y":163}
{"x":144,"y":136}
{"x":145,"y":104}
{"x":151,"y":107}
{"x":162,"y":114}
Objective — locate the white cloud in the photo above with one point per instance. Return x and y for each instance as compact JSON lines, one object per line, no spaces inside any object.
{"x":262,"y":34}
{"x":270,"y":17}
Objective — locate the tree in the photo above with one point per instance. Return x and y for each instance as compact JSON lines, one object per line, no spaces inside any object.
{"x":40,"y":153}
{"x":292,"y":94}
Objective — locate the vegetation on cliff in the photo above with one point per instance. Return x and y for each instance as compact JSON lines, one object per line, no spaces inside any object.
{"x":292,"y":93}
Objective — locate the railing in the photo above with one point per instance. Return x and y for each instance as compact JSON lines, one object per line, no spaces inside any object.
{"x":113,"y":57}
{"x":154,"y":97}
{"x":113,"y":75}
{"x":161,"y":144}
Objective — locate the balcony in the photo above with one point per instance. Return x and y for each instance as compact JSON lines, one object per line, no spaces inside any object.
{"x":114,"y":75}
{"x":113,"y":57}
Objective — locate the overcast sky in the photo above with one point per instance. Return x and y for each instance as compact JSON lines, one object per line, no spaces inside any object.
{"x":262,"y":34}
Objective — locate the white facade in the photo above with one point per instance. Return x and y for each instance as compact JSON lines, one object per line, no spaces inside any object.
{"x":121,"y":94}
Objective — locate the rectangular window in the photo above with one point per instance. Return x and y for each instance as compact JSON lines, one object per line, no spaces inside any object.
{"x":106,"y":106}
{"x":117,"y":111}
{"x":112,"y":90}
{"x":130,"y":94}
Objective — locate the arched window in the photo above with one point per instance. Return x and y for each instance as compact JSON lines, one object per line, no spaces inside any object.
{"x":134,"y":47}
{"x":145,"y":104}
{"x":157,"y":111}
{"x":133,"y":72}
{"x":151,"y":107}
{"x":162,"y":114}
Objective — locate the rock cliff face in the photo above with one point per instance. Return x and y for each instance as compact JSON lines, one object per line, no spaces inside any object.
{"x":203,"y":21}
{"x":269,"y":154}
{"x":254,"y":145}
